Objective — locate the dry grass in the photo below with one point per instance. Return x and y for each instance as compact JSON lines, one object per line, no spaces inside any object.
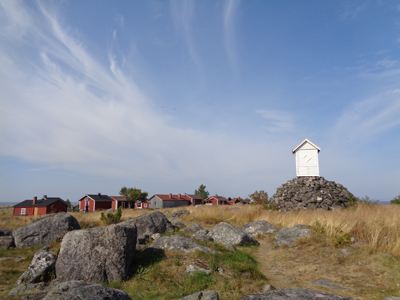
{"x":376,"y":226}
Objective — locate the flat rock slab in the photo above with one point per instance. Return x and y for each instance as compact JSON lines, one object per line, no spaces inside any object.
{"x":97,"y":255}
{"x":74,"y":290}
{"x":28,"y":287}
{"x":204,"y":295}
{"x":226,"y":233}
{"x":180,"y":243}
{"x":44,"y":230}
{"x":294,"y":294}
{"x":328,"y":283}
{"x":191,"y":269}
{"x":258,"y":227}
{"x":288,"y":236}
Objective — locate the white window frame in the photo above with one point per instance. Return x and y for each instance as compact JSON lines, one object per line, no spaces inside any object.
{"x":23,"y":211}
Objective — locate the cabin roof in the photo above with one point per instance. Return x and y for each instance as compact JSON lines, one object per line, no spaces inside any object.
{"x":304,"y":142}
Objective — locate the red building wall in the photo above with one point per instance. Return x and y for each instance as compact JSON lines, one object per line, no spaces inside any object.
{"x":58,"y":207}
{"x":102,"y":205}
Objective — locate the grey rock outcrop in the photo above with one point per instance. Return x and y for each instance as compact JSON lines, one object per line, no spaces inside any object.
{"x":193,"y":228}
{"x":43,"y":262}
{"x":226,"y":233}
{"x":258,"y":227}
{"x":204,"y":295}
{"x":288,"y":236}
{"x":179,"y":213}
{"x":96,"y":255}
{"x":310,"y":192}
{"x":180,"y":243}
{"x":177,"y":223}
{"x":44,"y":230}
{"x":294,"y":294}
{"x":148,"y":224}
{"x":6,"y":242}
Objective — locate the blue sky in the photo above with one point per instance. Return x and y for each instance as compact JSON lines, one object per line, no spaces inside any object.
{"x":167,"y":95}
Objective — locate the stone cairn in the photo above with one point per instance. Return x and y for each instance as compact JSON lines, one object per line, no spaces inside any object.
{"x":310,"y":192}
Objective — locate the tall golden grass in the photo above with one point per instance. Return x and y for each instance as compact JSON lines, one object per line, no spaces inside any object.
{"x":377,"y":227}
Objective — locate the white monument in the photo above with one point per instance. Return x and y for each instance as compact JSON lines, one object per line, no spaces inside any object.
{"x":307,"y":159}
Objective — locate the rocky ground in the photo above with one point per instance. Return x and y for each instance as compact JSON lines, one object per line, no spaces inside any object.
{"x":299,"y":262}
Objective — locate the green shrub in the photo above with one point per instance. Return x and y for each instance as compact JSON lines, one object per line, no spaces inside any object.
{"x":395,"y":200}
{"x":111,"y":218}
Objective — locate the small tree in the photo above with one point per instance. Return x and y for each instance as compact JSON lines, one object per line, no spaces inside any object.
{"x":202,"y":192}
{"x":395,"y":200}
{"x":69,"y":204}
{"x":133,"y":195}
{"x":259,"y":197}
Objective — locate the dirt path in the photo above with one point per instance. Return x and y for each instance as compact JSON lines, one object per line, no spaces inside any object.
{"x":355,"y":275}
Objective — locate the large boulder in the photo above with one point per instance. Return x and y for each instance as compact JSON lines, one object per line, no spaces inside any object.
{"x":287,"y":236}
{"x":226,"y":233}
{"x":294,"y":294}
{"x":43,"y":263}
{"x":310,"y":192}
{"x":258,"y":227}
{"x":96,"y":255}
{"x":180,"y":243}
{"x":148,"y":224}
{"x":44,"y":230}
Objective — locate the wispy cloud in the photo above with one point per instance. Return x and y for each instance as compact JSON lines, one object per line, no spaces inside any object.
{"x":278,"y":121}
{"x":366,"y":119}
{"x":183,"y":14}
{"x":72,"y":112}
{"x":229,"y":17}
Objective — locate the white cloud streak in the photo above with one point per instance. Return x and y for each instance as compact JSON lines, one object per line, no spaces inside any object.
{"x":229,"y":17}
{"x":278,"y":121}
{"x":71,"y":112}
{"x":371,"y":117}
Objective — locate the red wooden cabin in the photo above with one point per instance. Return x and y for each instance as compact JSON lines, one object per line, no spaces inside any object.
{"x":44,"y":206}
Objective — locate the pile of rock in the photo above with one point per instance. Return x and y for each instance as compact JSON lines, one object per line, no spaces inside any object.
{"x":310,"y":192}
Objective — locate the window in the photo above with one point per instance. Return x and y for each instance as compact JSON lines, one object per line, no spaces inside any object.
{"x":145,"y":205}
{"x":23,"y":211}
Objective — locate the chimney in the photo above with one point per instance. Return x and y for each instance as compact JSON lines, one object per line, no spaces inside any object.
{"x":34,"y":202}
{"x":179,"y":196}
{"x":184,"y":194}
{"x":99,"y":194}
{"x":44,"y":197}
{"x":170,"y":196}
{"x":216,"y":195}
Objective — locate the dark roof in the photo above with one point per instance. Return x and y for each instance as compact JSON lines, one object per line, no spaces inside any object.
{"x":40,"y":202}
{"x":98,"y":197}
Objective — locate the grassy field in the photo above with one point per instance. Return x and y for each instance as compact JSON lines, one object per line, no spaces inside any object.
{"x":364,"y":273}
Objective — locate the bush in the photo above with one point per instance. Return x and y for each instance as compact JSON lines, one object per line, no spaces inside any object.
{"x":395,"y":200}
{"x":112,"y":218}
